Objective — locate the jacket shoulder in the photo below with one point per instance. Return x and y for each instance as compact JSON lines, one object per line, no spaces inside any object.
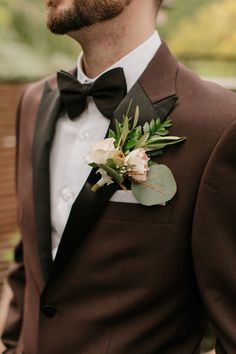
{"x":206,"y":102}
{"x":33,"y":91}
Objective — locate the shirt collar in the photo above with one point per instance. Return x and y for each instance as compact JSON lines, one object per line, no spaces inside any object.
{"x":133,"y":63}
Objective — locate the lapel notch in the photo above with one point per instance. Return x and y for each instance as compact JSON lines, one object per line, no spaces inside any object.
{"x":155,"y":91}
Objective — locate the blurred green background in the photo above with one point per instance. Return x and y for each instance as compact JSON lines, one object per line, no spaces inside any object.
{"x":201,"y":33}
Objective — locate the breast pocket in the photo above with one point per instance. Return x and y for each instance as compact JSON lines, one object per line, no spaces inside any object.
{"x":157,"y":214}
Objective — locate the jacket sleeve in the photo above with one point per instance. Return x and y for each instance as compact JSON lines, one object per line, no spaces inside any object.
{"x":214,"y":240}
{"x":16,"y":278}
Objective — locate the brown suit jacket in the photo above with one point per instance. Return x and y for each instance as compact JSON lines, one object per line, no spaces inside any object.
{"x":129,"y":279}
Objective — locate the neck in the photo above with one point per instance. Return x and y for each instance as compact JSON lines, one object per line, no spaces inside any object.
{"x":105,"y":43}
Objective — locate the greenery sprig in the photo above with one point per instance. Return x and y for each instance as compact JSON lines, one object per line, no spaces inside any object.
{"x":152,"y":137}
{"x":125,"y":156}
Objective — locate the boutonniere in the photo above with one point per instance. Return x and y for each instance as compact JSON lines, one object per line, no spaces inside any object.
{"x":125,"y":158}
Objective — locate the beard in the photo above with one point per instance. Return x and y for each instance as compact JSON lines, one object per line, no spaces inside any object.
{"x":81,"y":13}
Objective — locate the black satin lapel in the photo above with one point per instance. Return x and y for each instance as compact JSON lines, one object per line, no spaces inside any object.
{"x":147,"y":110}
{"x":44,"y":131}
{"x":164,"y":107}
{"x":83,"y":217}
{"x":138,"y":98}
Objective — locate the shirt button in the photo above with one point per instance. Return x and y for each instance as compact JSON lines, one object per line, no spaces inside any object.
{"x":48,"y":310}
{"x":66,"y":195}
{"x":84,"y":136}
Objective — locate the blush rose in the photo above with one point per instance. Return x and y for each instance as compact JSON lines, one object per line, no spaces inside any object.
{"x":137,"y":165}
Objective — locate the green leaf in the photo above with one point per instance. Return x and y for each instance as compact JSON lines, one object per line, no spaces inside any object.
{"x":125,"y":131}
{"x":142,"y":141}
{"x":130,"y":144}
{"x":159,"y":187}
{"x":132,"y":139}
{"x":169,"y":138}
{"x":158,"y":123}
{"x":93,"y":164}
{"x":112,"y":173}
{"x":146,"y":128}
{"x":155,"y":153}
{"x":161,"y":142}
{"x":118,"y":129}
{"x":135,"y":133}
{"x":136,"y":117}
{"x":129,"y":107}
{"x":152,"y":126}
{"x":112,"y":134}
{"x":162,"y":131}
{"x":167,"y":123}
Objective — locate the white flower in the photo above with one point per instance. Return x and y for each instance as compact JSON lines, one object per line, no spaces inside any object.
{"x":101,"y":151}
{"x":137,"y":164}
{"x":105,"y":179}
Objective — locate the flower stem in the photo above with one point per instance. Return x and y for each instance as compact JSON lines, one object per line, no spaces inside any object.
{"x":95,"y":188}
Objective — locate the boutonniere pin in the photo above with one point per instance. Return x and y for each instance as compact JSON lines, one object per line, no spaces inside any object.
{"x":125,"y":158}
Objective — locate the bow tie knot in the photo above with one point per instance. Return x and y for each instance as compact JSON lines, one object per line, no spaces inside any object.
{"x":86,"y":89}
{"x":107,"y":91}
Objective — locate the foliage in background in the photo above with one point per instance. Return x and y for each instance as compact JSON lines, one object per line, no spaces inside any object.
{"x":6,"y":248}
{"x":200,"y":32}
{"x":27,"y":49}
{"x":208,"y":36}
{"x":178,"y":11}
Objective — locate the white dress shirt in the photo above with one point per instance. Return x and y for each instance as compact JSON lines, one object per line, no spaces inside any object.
{"x":73,"y":140}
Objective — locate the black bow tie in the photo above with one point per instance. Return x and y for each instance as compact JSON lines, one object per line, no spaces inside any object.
{"x":107,"y":91}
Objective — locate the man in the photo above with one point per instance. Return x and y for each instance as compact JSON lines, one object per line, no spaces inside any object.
{"x":100,"y":273}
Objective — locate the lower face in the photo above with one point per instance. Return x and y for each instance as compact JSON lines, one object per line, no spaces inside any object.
{"x":65,"y":16}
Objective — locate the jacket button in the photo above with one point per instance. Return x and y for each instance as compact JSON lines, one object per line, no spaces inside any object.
{"x":49,"y":310}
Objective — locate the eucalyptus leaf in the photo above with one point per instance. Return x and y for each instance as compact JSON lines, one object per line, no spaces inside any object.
{"x":159,"y":188}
